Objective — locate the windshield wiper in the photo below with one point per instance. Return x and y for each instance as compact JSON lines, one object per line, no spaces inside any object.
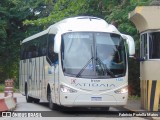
{"x":79,"y":73}
{"x":104,"y":66}
{"x":83,"y":68}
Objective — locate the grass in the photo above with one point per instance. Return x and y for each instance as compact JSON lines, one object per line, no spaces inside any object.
{"x":1,"y":88}
{"x":134,"y":97}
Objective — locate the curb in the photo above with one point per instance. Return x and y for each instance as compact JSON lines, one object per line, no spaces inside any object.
{"x":7,"y":103}
{"x":133,"y":110}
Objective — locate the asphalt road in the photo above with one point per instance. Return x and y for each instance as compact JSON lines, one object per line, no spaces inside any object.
{"x":24,"y":109}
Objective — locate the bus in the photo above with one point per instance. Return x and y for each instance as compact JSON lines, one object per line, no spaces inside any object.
{"x":77,"y":62}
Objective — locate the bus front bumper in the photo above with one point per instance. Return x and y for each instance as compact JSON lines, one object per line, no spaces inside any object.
{"x":93,"y":100}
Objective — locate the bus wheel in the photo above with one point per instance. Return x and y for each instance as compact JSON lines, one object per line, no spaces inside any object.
{"x":28,"y":98}
{"x":51,"y":104}
{"x":36,"y":100}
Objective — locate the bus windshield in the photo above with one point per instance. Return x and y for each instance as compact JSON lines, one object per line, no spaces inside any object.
{"x":93,"y":55}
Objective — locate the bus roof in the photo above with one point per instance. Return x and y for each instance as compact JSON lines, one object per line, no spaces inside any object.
{"x":35,"y":36}
{"x":80,"y":23}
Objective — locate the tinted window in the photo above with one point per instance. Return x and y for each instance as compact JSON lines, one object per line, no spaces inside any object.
{"x":52,"y":56}
{"x":154,"y":45}
{"x":93,"y":55}
{"x":34,"y":48}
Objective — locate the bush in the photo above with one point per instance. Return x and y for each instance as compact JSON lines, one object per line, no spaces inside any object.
{"x":1,"y":87}
{"x":133,"y":77}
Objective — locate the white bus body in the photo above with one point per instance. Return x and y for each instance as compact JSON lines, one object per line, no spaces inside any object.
{"x":65,"y":64}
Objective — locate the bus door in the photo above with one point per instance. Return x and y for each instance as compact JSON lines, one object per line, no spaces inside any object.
{"x":52,"y":59}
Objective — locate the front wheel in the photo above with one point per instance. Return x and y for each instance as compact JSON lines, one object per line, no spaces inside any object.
{"x":28,"y":98}
{"x":52,"y":105}
{"x":36,"y":100}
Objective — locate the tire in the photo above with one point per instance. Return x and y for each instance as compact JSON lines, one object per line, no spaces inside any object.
{"x":52,"y":105}
{"x":35,"y":100}
{"x":28,"y":98}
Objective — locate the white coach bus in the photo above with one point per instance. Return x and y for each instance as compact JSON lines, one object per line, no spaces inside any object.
{"x":77,"y":62}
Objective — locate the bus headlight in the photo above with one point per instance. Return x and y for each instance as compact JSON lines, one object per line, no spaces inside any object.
{"x":66,"y":89}
{"x":122,"y":90}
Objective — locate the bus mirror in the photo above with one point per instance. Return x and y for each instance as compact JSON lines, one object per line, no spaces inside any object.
{"x":57,"y":43}
{"x":131,"y":44}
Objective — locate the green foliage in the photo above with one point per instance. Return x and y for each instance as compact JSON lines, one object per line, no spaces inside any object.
{"x":61,"y":9}
{"x":1,"y":88}
{"x":133,"y":77}
{"x":12,"y":32}
{"x":134,"y":97}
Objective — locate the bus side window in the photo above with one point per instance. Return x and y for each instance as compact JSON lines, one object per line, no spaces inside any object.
{"x":34,"y":51}
{"x":154,"y":43}
{"x":22,"y":53}
{"x":53,"y":57}
{"x":36,"y":46}
{"x":29,"y":51}
{"x":43,"y":46}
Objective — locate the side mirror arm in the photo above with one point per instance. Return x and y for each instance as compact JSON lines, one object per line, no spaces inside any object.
{"x":138,"y":59}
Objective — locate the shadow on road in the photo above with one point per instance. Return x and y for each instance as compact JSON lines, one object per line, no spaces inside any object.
{"x":82,"y":111}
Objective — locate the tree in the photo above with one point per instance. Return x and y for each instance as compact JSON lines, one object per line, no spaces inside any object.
{"x":61,"y":9}
{"x":12,"y":32}
{"x":3,"y":34}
